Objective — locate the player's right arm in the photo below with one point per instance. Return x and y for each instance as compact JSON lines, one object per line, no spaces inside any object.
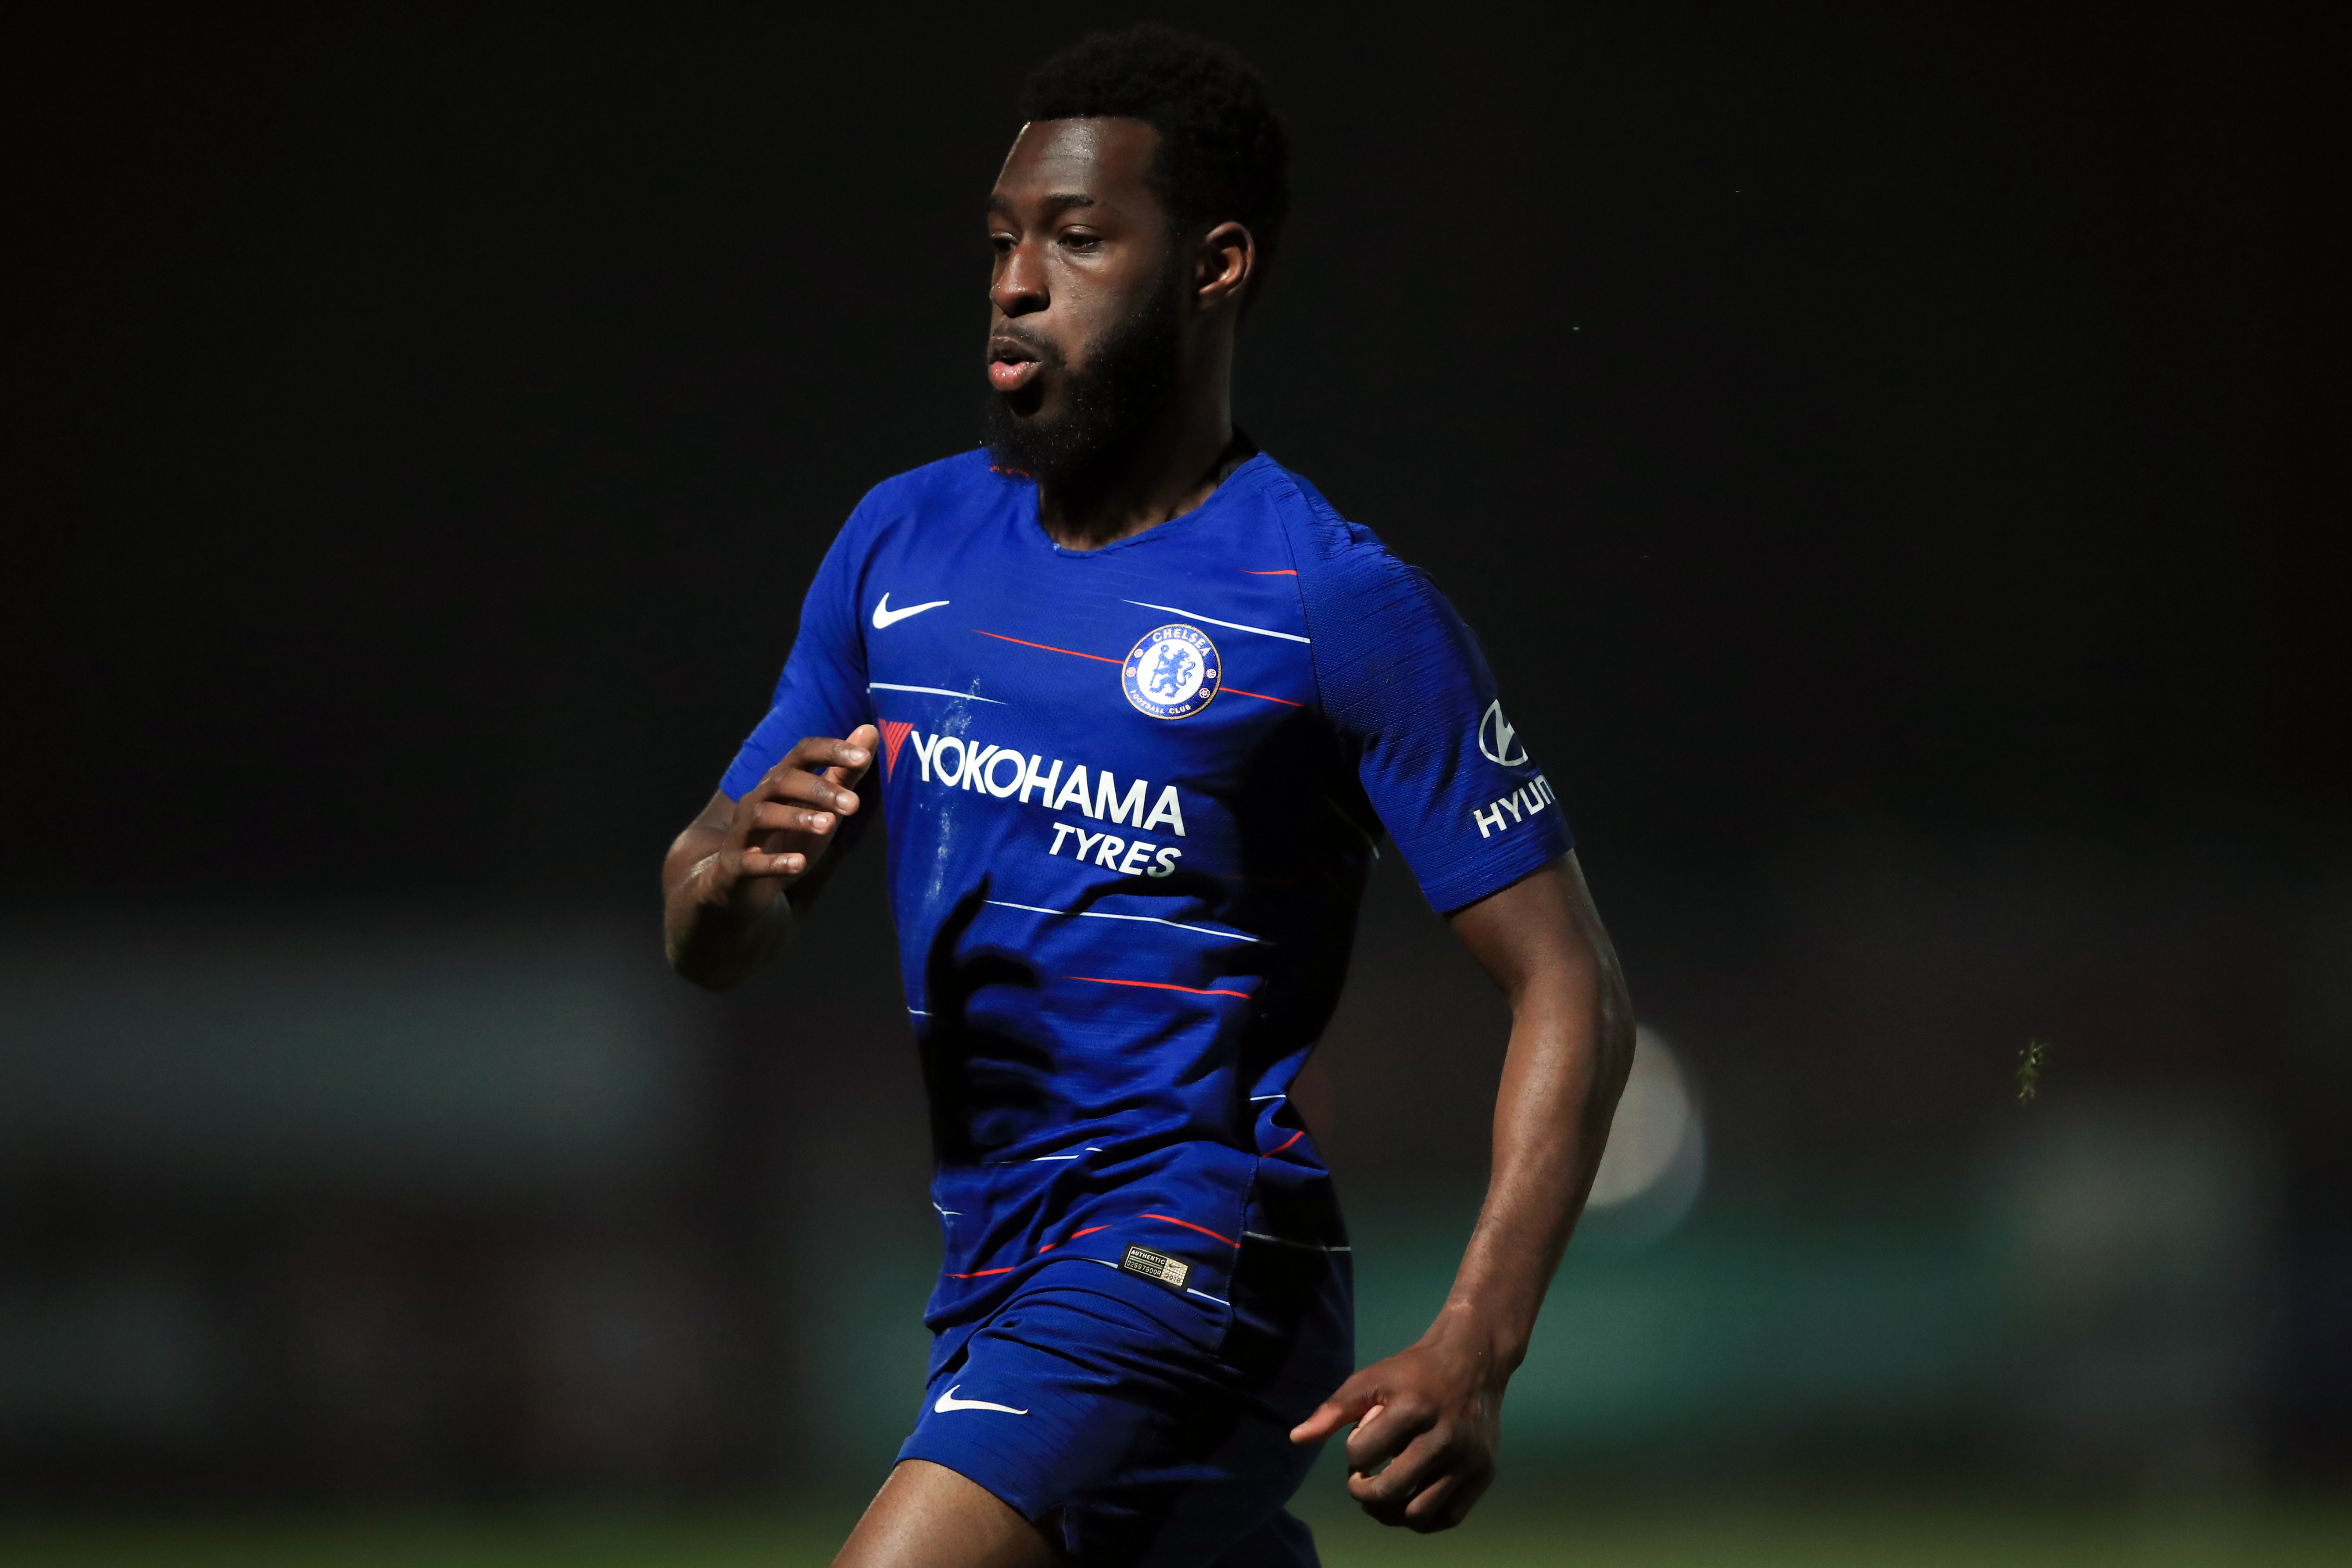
{"x":732,"y":879}
{"x":735,"y":879}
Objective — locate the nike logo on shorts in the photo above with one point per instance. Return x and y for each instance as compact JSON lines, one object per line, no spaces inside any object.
{"x":885,"y":615}
{"x":948,"y":1403}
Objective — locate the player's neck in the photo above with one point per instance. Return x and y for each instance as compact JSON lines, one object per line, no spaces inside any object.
{"x":1182,"y":458}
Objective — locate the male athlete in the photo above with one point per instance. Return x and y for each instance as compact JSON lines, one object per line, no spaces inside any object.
{"x":1137,"y":704}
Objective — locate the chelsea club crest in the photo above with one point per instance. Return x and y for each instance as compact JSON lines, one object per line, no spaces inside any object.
{"x":1173,"y":673}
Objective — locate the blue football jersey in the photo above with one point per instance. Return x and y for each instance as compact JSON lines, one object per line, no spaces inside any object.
{"x":1131,"y":796}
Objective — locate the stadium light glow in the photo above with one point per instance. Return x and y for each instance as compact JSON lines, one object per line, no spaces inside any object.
{"x":1657,"y":1134}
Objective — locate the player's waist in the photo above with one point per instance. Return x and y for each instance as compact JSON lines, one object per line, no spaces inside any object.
{"x":1151,"y":1133}
{"x":995,"y":1216}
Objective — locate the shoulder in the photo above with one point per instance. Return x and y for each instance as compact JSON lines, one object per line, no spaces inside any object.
{"x":900,"y":511}
{"x":1389,"y":650}
{"x":898,"y":515}
{"x":1347,"y":579}
{"x":949,"y":486}
{"x":1316,"y":530}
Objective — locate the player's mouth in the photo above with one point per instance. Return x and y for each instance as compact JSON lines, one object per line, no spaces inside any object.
{"x":1012,"y":365}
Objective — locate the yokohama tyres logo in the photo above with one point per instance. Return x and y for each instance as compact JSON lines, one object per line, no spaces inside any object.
{"x":952,"y":762}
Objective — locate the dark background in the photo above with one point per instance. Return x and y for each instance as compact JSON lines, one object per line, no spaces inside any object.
{"x":1823,"y":415}
{"x":1892,"y":457}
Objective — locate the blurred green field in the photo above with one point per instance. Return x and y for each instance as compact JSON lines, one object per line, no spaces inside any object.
{"x":1878,"y":1536}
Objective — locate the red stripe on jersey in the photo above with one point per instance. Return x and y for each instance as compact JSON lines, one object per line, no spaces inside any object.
{"x":1073,"y":1236}
{"x":1157,"y":985}
{"x":1281,"y":571}
{"x":1287,"y":1142}
{"x":1049,"y":648}
{"x":1261,"y":696}
{"x":1203,"y":1229}
{"x":982,"y":1275}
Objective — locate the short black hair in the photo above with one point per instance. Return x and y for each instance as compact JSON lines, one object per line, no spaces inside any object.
{"x":1224,"y":154}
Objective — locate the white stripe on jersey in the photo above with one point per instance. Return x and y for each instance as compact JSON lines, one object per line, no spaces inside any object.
{"x":1235,"y":625}
{"x":1107,"y":915}
{"x":932,"y":690}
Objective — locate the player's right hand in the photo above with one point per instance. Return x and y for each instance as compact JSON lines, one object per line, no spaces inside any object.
{"x":783,"y":826}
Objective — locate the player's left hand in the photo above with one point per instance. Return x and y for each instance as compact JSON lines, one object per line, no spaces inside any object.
{"x":1427,"y":1422}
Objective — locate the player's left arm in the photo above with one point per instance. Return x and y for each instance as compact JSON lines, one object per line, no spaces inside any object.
{"x":1427,"y":1419}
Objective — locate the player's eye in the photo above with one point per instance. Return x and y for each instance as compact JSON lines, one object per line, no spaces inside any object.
{"x":1079,"y":239}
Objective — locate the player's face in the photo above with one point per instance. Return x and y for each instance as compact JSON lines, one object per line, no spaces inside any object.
{"x":1081,"y":250}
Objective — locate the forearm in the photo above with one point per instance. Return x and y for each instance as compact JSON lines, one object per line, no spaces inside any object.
{"x":1572,"y":1047}
{"x":1561,"y":1084}
{"x":1428,"y":1417}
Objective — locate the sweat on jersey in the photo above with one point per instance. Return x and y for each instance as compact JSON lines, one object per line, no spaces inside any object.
{"x":1132,"y":794}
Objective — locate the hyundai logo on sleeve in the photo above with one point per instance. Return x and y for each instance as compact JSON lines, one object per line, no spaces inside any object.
{"x":1497,"y":740}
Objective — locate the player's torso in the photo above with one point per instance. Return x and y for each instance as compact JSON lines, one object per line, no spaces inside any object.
{"x":1102,"y":781}
{"x":1122,"y":892}
{"x":1091,"y":755}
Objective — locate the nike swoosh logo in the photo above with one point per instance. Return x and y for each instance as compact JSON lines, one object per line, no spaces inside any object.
{"x":948,"y":1403}
{"x":885,"y":615}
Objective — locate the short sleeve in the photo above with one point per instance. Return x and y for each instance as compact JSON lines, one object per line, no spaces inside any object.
{"x":822,"y":690}
{"x":1404,"y":683}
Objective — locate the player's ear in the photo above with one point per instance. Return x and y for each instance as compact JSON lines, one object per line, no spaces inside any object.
{"x":1223,"y":266}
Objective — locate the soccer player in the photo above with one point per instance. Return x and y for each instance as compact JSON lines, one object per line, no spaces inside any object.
{"x":1138,"y":705}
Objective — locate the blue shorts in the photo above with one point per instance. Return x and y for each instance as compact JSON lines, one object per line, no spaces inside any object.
{"x":1143,"y":1424}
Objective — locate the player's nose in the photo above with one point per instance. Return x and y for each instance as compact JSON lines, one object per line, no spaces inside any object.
{"x":1018,"y":285}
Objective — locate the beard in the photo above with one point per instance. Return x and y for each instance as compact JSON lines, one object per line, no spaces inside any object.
{"x":1107,"y":407}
